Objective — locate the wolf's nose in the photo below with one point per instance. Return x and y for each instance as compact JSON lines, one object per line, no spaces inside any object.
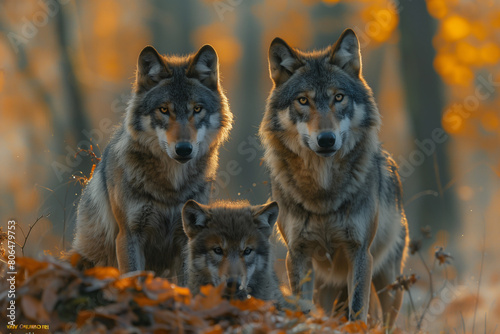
{"x":183,"y":149}
{"x":326,"y":139}
{"x":233,"y":284}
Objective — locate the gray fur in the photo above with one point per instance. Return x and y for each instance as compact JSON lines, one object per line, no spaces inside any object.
{"x":234,"y":227}
{"x":340,"y":210}
{"x":129,"y":215}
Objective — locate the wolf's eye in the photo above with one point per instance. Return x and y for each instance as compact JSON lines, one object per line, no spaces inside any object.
{"x":303,"y":100}
{"x":218,"y":250}
{"x":197,"y":109}
{"x":247,"y":251}
{"x":339,"y":97}
{"x":164,"y":110}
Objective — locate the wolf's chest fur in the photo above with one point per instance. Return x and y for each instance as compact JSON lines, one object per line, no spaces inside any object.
{"x":327,"y":242}
{"x":161,"y":230}
{"x":158,"y":178}
{"x":320,"y":185}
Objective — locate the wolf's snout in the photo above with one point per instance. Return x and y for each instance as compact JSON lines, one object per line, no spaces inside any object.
{"x":234,"y":289}
{"x":233,"y":284}
{"x":326,"y":139}
{"x":183,"y":149}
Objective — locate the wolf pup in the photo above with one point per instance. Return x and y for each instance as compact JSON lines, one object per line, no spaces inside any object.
{"x":164,"y":153}
{"x":339,"y":193}
{"x":229,"y":244}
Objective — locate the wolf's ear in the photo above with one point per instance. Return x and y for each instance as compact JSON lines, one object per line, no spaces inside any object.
{"x":283,"y":61}
{"x":346,"y":54}
{"x":265,"y":216}
{"x":194,"y":217}
{"x":205,"y":67}
{"x":151,"y":69}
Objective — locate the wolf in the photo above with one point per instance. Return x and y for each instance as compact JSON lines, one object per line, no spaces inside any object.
{"x":229,"y":244}
{"x":339,"y":192}
{"x":164,"y":153}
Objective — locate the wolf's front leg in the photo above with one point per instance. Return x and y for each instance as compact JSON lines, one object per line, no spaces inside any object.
{"x":390,"y":301}
{"x":359,"y":282}
{"x":296,"y":266}
{"x":129,"y":252}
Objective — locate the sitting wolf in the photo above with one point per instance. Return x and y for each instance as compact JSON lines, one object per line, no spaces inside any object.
{"x":164,"y":153}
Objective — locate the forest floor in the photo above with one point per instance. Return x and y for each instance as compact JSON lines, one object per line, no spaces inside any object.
{"x":52,"y":296}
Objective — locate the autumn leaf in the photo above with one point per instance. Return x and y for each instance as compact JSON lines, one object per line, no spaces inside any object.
{"x":103,"y":272}
{"x":252,"y":304}
{"x":125,"y":283}
{"x":215,"y":330}
{"x":142,"y":300}
{"x":209,"y":296}
{"x":31,"y":265}
{"x":74,"y":259}
{"x":182,"y":294}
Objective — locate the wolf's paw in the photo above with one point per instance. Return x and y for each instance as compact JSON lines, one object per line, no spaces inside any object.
{"x":296,"y":304}
{"x":306,"y":306}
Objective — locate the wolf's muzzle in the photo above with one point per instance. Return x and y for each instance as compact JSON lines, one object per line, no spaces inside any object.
{"x":233,"y":283}
{"x":234,"y":289}
{"x":183,"y":151}
{"x":326,"y":140}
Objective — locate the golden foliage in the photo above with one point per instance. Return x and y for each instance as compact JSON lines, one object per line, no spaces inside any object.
{"x":381,"y":19}
{"x":437,"y":8}
{"x":467,"y":58}
{"x":29,"y":265}
{"x":490,"y":121}
{"x":103,"y":273}
{"x":455,"y":28}
{"x":107,"y":19}
{"x":113,"y":40}
{"x":452,"y":70}
{"x":222,"y":39}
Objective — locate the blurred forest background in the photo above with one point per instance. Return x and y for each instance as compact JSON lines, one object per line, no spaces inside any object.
{"x":66,"y":69}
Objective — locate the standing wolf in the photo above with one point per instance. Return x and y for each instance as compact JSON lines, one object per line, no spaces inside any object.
{"x":339,"y":193}
{"x":164,"y":153}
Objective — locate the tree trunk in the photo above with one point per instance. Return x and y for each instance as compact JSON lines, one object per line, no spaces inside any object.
{"x":425,"y":103}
